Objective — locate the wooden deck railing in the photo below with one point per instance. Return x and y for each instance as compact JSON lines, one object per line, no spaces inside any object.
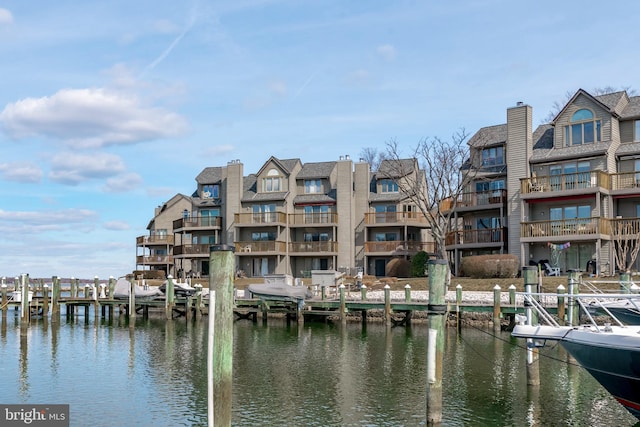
{"x":476,"y":236}
{"x":565,"y":182}
{"x":159,"y":239}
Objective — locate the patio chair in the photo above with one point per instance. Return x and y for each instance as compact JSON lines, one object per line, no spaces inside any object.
{"x":551,"y":271}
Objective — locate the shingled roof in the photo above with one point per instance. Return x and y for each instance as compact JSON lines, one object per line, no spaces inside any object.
{"x":489,"y":135}
{"x":316,"y":170}
{"x":210,"y":175}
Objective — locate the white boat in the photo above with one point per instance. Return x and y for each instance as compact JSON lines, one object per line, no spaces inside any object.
{"x":609,"y":352}
{"x":279,"y":287}
{"x":122,"y":290}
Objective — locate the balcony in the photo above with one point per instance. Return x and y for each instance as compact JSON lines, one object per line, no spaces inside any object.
{"x":260,"y":219}
{"x":626,"y":228}
{"x":626,"y":183}
{"x":324,"y":247}
{"x":305,"y":219}
{"x":197,"y":223}
{"x":395,"y":218}
{"x":565,"y":184}
{"x":492,"y":199}
{"x":398,"y":247}
{"x":478,"y":237}
{"x":154,"y":259}
{"x":192,"y":250}
{"x":567,"y":229}
{"x":260,"y":247}
{"x":154,"y":240}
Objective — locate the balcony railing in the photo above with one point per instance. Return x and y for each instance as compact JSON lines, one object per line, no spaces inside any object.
{"x":625,"y":227}
{"x":399,"y":247}
{"x":565,"y":182}
{"x":200,"y":249}
{"x":478,"y":199}
{"x":325,"y":246}
{"x":316,"y":218}
{"x":250,"y":247}
{"x":476,"y":236}
{"x":625,"y":181}
{"x":263,"y":218}
{"x":395,"y":218}
{"x":158,"y":239}
{"x":566,"y":227}
{"x":197,"y":222}
{"x":154,"y":259}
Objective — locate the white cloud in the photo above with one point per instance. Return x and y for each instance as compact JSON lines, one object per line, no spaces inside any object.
{"x":116,"y":225}
{"x":123,"y":183}
{"x":387,"y":52}
{"x":219,"y":150}
{"x":21,"y":172}
{"x":90,"y":118}
{"x":73,"y":168}
{"x":6,"y":17}
{"x":31,"y":220}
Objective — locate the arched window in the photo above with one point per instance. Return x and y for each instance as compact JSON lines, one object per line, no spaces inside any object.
{"x":273,"y":181}
{"x":584,"y":129}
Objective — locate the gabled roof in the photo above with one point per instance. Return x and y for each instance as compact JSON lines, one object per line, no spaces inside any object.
{"x":632,"y":110}
{"x":391,"y":168}
{"x":489,"y":135}
{"x":310,"y":199}
{"x":316,"y":170}
{"x":610,"y":98}
{"x":615,"y":101}
{"x":210,"y":175}
{"x":285,"y":166}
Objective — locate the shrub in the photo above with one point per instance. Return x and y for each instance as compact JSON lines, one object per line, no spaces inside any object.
{"x":419,"y":264}
{"x":490,"y":266}
{"x":398,"y":267}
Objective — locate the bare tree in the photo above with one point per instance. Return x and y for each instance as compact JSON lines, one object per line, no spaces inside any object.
{"x":373,"y":157}
{"x":448,"y":169}
{"x":626,"y":239}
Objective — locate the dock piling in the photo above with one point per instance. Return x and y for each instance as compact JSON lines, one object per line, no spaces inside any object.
{"x":438,"y":271}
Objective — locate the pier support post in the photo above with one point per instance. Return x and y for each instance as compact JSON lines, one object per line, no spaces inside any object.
{"x":363,"y":292}
{"x":45,"y":301}
{"x":221,"y":267}
{"x":438,"y":272}
{"x":132,"y":300}
{"x":497,"y":292}
{"x":573,"y":307}
{"x":387,"y":304}
{"x":24,"y":306}
{"x":198,"y":307}
{"x":5,"y":298}
{"x":625,"y":281}
{"x":458,"y":307}
{"x":343,"y":305}
{"x":407,"y":293}
{"x":170,"y":298}
{"x":561,"y":304}
{"x":530,"y":275}
{"x":55,"y":296}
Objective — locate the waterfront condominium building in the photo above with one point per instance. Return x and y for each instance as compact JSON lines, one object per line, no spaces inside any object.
{"x":291,"y":218}
{"x":564,"y":192}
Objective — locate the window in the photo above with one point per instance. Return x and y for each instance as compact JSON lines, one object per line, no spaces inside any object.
{"x":312,"y":186}
{"x":386,"y":237}
{"x":264,"y":213}
{"x":185,"y":214}
{"x":388,"y":186}
{"x":568,"y":219}
{"x":489,"y":185}
{"x":493,"y":156}
{"x":273,"y":181}
{"x":265,"y":236}
{"x":316,"y":214}
{"x":385,"y":213}
{"x":316,"y":237}
{"x":636,"y":131}
{"x":210,"y":191}
{"x":584,"y":129}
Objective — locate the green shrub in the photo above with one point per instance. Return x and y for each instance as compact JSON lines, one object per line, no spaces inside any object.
{"x":419,"y":264}
{"x":490,"y":266}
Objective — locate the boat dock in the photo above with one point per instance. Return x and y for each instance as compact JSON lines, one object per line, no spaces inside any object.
{"x":393,"y":307}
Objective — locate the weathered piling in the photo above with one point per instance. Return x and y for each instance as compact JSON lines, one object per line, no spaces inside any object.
{"x":497,"y":292}
{"x":45,"y":300}
{"x":221,"y":266}
{"x":530,"y":275}
{"x":363,"y":292}
{"x":343,"y":306}
{"x":458,"y":303}
{"x":438,"y":271}
{"x":170,"y":298}
{"x":407,"y":293}
{"x":55,"y":296}
{"x":561,"y":304}
{"x":25,"y":313}
{"x":387,"y":304}
{"x":132,"y":301}
{"x":573,"y":307}
{"x":625,"y":282}
{"x":5,"y":297}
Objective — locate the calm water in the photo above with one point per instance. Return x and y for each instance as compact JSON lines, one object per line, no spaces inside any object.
{"x":154,"y":374}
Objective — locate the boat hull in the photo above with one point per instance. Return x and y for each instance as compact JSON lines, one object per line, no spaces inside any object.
{"x":611,"y":356}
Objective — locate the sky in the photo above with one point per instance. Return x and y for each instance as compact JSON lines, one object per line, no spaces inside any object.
{"x":109,"y":109}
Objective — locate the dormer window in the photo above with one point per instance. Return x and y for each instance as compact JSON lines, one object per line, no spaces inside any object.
{"x":273,"y":181}
{"x":493,"y":156}
{"x":584,"y":129}
{"x":388,"y":186}
{"x":312,"y":186}
{"x":210,"y":191}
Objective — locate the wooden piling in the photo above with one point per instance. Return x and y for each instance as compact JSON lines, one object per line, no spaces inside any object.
{"x":496,"y":309}
{"x":438,"y":271}
{"x":573,"y":307}
{"x":132,"y":301}
{"x":5,"y":298}
{"x":458,"y":309}
{"x":45,"y":300}
{"x":407,"y":293}
{"x":198,"y":307}
{"x":363,"y":292}
{"x":170,"y":298}
{"x":25,"y":313}
{"x":55,"y":296}
{"x":221,"y":266}
{"x":530,"y":275}
{"x":343,"y":305}
{"x":561,"y":305}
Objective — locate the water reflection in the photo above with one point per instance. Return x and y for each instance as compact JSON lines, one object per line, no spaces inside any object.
{"x":153,"y":372}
